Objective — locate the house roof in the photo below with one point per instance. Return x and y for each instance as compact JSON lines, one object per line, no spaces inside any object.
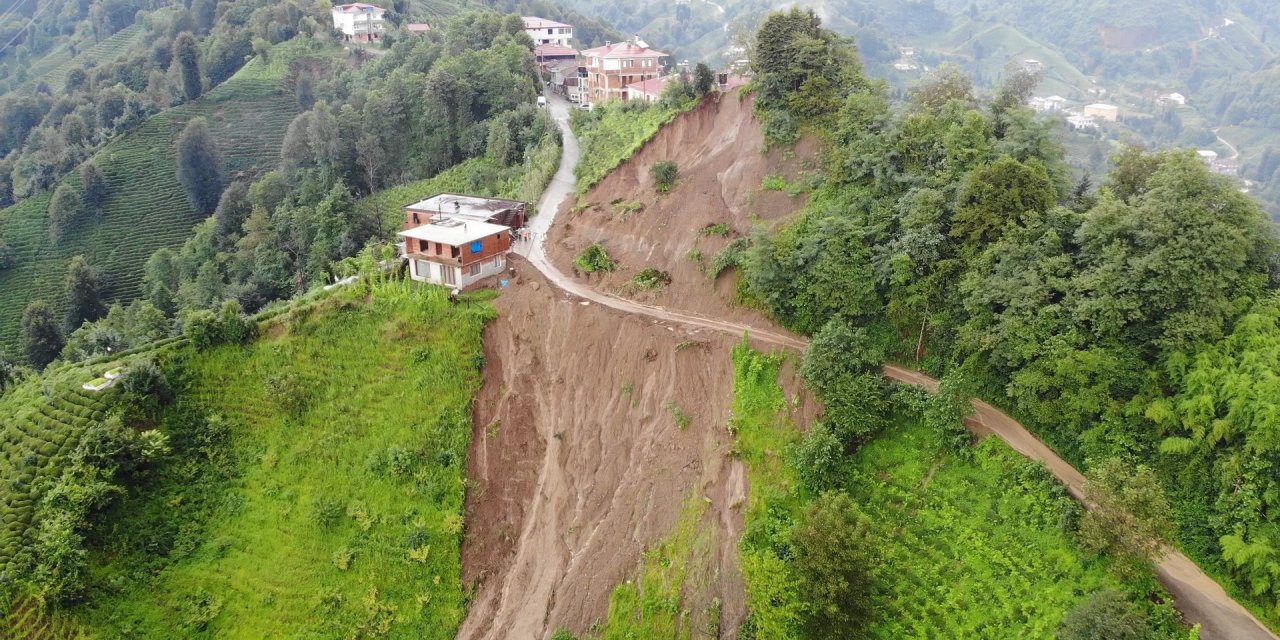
{"x":1101,"y":106}
{"x":418,"y":27}
{"x":357,"y":7}
{"x":623,"y":50}
{"x":534,"y":22}
{"x":453,"y":232}
{"x":553,"y":50}
{"x":464,"y":206}
{"x":652,"y":85}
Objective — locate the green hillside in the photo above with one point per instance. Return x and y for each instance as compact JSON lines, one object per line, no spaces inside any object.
{"x":313,"y":489}
{"x":54,"y":67}
{"x":147,"y":208}
{"x":1001,"y":43}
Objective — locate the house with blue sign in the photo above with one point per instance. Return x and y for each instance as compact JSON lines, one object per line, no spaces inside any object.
{"x":457,"y":240}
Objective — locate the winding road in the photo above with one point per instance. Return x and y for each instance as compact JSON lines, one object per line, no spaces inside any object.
{"x":1200,"y":599}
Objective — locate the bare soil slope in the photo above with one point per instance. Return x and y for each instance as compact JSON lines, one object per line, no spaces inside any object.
{"x":579,"y":465}
{"x":717,"y":148}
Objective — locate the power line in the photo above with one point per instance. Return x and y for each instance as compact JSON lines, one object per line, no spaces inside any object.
{"x":31,"y":24}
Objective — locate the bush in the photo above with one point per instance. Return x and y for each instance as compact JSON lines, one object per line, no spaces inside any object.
{"x":664,"y":173}
{"x":8,"y":257}
{"x":206,"y":329}
{"x":819,"y":459}
{"x":1105,"y":615}
{"x":833,"y":562}
{"x":650,"y":279}
{"x":595,"y":258}
{"x":716,"y":229}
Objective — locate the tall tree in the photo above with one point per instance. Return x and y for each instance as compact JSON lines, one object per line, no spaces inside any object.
{"x":65,"y":211}
{"x":198,"y":164}
{"x":188,"y":56}
{"x":41,"y":337}
{"x":84,"y":291}
{"x":703,"y":79}
{"x":94,"y":184}
{"x":233,"y":209}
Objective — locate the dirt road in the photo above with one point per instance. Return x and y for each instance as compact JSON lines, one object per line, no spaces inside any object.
{"x":1200,"y":599}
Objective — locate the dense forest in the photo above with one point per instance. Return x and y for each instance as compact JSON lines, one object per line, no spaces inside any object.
{"x":1132,"y":326}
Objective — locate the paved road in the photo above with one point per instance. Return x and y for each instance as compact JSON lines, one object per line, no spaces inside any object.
{"x":1200,"y":599}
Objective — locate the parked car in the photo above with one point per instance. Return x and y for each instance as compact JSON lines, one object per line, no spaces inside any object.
{"x":586,"y":106}
{"x":542,"y":101}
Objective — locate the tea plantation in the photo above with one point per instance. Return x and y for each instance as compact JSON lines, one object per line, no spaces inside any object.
{"x":147,"y":208}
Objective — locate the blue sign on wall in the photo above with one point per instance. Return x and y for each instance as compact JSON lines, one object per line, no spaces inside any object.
{"x":477,"y":246}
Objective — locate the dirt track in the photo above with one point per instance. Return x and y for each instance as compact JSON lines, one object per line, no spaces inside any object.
{"x":1199,"y":597}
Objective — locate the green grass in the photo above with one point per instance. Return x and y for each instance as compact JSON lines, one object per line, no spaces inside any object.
{"x":613,"y":132}
{"x":968,"y":548}
{"x":54,"y":67}
{"x":1002,"y":43}
{"x":653,"y":604}
{"x":147,"y":208}
{"x":342,"y":519}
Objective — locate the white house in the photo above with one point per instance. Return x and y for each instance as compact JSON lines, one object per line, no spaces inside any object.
{"x":456,"y":253}
{"x":545,"y":31}
{"x":1050,"y":104}
{"x":1208,"y":155}
{"x":359,"y":22}
{"x":1080,"y":123}
{"x":1174,"y":98}
{"x":1108,"y":112}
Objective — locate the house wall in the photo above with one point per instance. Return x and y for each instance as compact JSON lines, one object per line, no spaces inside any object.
{"x":612,"y":84}
{"x":462,"y":277}
{"x":549,"y":35}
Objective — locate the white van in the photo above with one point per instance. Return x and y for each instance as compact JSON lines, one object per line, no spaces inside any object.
{"x":542,"y":101}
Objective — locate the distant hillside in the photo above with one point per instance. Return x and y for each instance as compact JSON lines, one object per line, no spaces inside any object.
{"x":147,"y":208}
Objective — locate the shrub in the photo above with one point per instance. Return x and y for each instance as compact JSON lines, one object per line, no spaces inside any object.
{"x":664,"y":173}
{"x":716,"y":229}
{"x":650,"y":279}
{"x":8,"y":257}
{"x":595,"y":258}
{"x":819,"y":459}
{"x":289,"y":393}
{"x":1105,"y":615}
{"x":683,"y":420}
{"x":834,"y":565}
{"x":944,"y":413}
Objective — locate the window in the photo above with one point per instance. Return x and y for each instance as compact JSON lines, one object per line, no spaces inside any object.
{"x":628,"y":63}
{"x":424,"y":246}
{"x":474,"y":269}
{"x":498,"y":261}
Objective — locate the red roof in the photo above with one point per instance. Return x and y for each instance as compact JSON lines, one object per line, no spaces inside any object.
{"x":357,"y":7}
{"x":652,"y":85}
{"x":622,"y":50}
{"x":534,"y":22}
{"x":553,"y":50}
{"x":418,"y":27}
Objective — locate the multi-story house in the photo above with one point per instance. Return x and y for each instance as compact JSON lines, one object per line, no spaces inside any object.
{"x":545,"y":31}
{"x":614,"y":66}
{"x":359,"y":21}
{"x":457,"y":240}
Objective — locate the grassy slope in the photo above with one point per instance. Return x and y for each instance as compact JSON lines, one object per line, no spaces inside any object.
{"x":969,"y":549}
{"x":54,"y":67}
{"x":147,"y":208}
{"x":382,"y":442}
{"x":613,"y":133}
{"x":1002,"y":43}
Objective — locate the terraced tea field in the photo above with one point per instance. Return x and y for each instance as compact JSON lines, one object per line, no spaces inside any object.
{"x":54,"y":67}
{"x":147,"y":208}
{"x":41,"y":422}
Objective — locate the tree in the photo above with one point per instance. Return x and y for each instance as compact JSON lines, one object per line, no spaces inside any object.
{"x":8,"y":257}
{"x":41,"y":335}
{"x":819,"y":459}
{"x":8,"y":372}
{"x":66,"y":209}
{"x":198,"y":165}
{"x":834,"y":563}
{"x":703,"y":79}
{"x":84,"y":293}
{"x":188,"y":56}
{"x":95,"y":187}
{"x":1105,"y":615}
{"x":1130,"y":516}
{"x":1016,"y":88}
{"x":948,"y":83}
{"x":304,"y":92}
{"x":233,"y":209}
{"x":838,"y":351}
{"x":998,"y":194}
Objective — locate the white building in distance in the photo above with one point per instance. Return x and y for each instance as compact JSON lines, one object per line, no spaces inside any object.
{"x":545,"y":31}
{"x":359,"y":22}
{"x":1108,"y":112}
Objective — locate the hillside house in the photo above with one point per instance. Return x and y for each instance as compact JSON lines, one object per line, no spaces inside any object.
{"x":552,"y":52}
{"x":418,"y":28}
{"x":1080,"y":123}
{"x":1032,"y":65}
{"x":614,"y":66}
{"x":1052,"y":104}
{"x":1173,"y":99}
{"x":1100,"y":111}
{"x":456,"y":240}
{"x":359,"y":22}
{"x":648,"y":91}
{"x":545,"y":31}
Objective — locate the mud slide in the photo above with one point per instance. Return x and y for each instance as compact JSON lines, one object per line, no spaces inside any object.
{"x":706,"y":164}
